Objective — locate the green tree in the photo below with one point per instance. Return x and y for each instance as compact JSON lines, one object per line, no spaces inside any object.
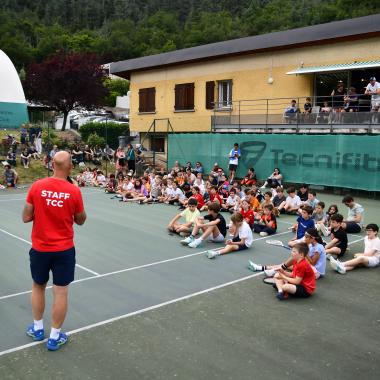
{"x":115,"y":88}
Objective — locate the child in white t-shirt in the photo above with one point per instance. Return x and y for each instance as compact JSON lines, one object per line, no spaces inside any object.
{"x":370,"y":258}
{"x":292,"y":202}
{"x":242,"y":237}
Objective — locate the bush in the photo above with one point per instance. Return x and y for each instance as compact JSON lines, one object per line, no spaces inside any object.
{"x":95,"y":140}
{"x":114,"y":130}
{"x":52,"y":139}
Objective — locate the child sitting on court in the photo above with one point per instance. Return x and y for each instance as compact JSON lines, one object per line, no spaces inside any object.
{"x":190,"y":214}
{"x":312,"y":200}
{"x":252,"y":200}
{"x":370,"y":258}
{"x":250,"y":178}
{"x":267,"y":224}
{"x":320,"y":220}
{"x":301,"y":281}
{"x":316,"y":257}
{"x":292,"y":202}
{"x":277,"y":199}
{"x":213,"y":226}
{"x":267,"y":199}
{"x":111,"y":185}
{"x":213,"y":197}
{"x":304,"y":222}
{"x":338,"y":244}
{"x":232,"y":202}
{"x":247,"y":213}
{"x":242,"y":237}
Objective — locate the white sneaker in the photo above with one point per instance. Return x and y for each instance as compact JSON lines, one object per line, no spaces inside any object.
{"x":262,"y":233}
{"x":254,"y":267}
{"x":195,"y":243}
{"x":333,"y":263}
{"x":340,"y":268}
{"x":187,"y":240}
{"x":184,"y":234}
{"x":212,"y":254}
{"x":269,"y":272}
{"x":328,"y":256}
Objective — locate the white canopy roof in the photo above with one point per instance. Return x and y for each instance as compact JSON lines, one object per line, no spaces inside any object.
{"x":11,"y":90}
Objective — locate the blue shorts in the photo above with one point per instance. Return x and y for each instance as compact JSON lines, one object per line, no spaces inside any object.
{"x":61,"y":264}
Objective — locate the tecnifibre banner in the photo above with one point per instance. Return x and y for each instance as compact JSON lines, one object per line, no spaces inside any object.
{"x":349,"y":161}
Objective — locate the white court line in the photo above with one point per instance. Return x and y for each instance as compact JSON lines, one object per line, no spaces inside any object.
{"x":129,"y":269}
{"x":14,"y":199}
{"x":29,"y":243}
{"x":137,"y":312}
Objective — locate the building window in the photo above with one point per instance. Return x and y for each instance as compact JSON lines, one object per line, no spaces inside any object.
{"x":184,"y":97}
{"x":147,"y":99}
{"x":224,"y":94}
{"x":157,"y":144}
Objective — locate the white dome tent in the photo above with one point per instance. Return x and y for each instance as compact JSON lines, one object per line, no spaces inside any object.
{"x":13,"y":107}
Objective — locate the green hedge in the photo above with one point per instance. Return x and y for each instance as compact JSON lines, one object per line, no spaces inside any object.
{"x":114,"y":130}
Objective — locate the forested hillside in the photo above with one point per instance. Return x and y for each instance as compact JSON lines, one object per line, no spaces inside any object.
{"x":122,"y":29}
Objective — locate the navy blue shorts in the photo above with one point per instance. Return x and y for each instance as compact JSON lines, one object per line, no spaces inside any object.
{"x":241,"y":247}
{"x":61,"y":264}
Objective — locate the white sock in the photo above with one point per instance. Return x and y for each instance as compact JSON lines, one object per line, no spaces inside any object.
{"x":38,"y":325}
{"x":280,"y":291}
{"x":54,"y":333}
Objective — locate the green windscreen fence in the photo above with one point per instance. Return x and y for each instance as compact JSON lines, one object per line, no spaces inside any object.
{"x":350,"y":161}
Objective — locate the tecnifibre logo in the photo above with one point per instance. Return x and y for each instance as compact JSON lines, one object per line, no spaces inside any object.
{"x":252,"y":151}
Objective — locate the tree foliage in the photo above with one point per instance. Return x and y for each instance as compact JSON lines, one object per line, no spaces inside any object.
{"x":122,"y":29}
{"x":65,"y":81}
{"x":115,"y":87}
{"x":110,"y":132}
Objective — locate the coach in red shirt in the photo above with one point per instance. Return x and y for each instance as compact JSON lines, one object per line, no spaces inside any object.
{"x":53,"y":204}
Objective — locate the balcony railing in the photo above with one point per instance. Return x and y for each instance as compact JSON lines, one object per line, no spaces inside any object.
{"x":327,"y":114}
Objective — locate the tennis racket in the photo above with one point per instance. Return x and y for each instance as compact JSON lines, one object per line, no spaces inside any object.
{"x":279,"y":243}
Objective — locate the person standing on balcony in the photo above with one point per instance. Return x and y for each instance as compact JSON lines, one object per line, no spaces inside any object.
{"x":234,"y":156}
{"x":338,"y":97}
{"x":373,"y":89}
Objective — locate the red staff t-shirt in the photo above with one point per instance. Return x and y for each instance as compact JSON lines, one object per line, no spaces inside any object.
{"x":55,"y":203}
{"x":304,"y":270}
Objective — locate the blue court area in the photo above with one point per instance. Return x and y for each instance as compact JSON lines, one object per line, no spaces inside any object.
{"x":137,"y":288}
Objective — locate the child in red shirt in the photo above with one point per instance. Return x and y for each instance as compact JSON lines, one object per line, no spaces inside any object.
{"x":214,"y":196}
{"x":247,"y":212}
{"x":198,"y":196}
{"x":301,"y":282}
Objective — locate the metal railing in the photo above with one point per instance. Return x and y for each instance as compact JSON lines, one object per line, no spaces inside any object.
{"x":326,"y":112}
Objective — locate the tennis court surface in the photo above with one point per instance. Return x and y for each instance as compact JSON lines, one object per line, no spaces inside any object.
{"x":145,"y":307}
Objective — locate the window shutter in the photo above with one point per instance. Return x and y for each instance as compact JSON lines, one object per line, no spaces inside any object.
{"x":147,"y":99}
{"x":151,"y":103}
{"x":184,"y":96}
{"x":210,"y":90}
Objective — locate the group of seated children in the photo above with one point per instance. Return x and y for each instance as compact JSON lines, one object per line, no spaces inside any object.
{"x":253,"y":210}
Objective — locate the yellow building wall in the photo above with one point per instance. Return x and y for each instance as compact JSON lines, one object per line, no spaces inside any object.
{"x":249,"y":75}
